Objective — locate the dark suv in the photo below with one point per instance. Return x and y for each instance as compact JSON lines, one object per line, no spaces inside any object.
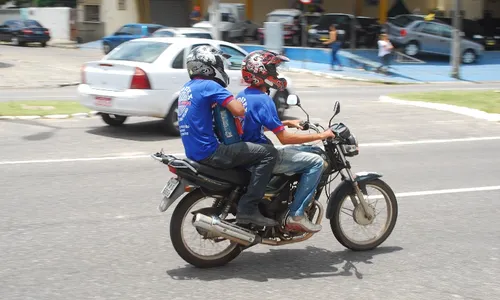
{"x":367,"y":29}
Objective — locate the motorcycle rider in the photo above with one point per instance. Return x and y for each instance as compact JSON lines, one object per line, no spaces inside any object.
{"x":207,"y":87}
{"x":259,"y":70}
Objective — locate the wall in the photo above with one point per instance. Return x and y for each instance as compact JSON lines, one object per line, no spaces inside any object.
{"x":115,"y":18}
{"x":7,"y":14}
{"x":473,"y":8}
{"x":56,"y":19}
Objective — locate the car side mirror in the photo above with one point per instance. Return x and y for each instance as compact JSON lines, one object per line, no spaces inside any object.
{"x":293,"y":100}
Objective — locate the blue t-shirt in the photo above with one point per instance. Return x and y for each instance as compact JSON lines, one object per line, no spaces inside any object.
{"x":260,"y":112}
{"x":195,"y":116}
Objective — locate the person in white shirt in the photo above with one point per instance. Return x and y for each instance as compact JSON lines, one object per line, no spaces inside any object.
{"x":384,"y":51}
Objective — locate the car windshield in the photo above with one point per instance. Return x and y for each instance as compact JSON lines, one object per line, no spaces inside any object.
{"x":31,"y":23}
{"x":367,"y":21}
{"x":224,"y":17}
{"x":198,"y":35}
{"x":280,"y":18}
{"x":140,"y":51}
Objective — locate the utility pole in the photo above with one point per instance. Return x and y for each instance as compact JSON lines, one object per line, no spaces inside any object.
{"x":455,"y":55}
{"x":215,"y":19}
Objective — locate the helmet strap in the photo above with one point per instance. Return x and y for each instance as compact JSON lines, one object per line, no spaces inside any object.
{"x":268,"y":90}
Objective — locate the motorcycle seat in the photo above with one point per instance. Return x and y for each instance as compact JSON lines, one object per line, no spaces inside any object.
{"x":235,"y":176}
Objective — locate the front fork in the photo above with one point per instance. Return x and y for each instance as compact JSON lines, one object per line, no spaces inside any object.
{"x":355,"y":185}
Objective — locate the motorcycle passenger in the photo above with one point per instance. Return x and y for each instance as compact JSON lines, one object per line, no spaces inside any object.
{"x":259,"y":70}
{"x":207,"y":87}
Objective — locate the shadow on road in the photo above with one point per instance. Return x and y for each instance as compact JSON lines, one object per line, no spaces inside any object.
{"x":147,"y":131}
{"x":311,"y":262}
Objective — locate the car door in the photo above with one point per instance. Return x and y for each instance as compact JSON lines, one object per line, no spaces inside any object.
{"x":446,"y":40}
{"x":430,"y":37}
{"x":119,"y":36}
{"x":3,"y":31}
{"x":236,"y":83}
{"x":136,"y":32}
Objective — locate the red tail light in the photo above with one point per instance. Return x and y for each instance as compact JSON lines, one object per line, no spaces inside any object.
{"x":140,"y":81}
{"x":402,"y":32}
{"x":27,"y":31}
{"x":82,"y":75}
{"x":47,"y":32}
{"x":172,"y":169}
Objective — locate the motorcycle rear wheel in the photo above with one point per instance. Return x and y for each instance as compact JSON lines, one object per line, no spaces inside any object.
{"x":341,"y":236}
{"x":181,"y":214}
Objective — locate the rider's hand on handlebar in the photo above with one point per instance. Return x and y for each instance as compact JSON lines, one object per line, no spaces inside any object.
{"x":294,"y":124}
{"x":327,"y":134}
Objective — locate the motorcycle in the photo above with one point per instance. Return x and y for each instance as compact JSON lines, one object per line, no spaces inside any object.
{"x":213,"y":223}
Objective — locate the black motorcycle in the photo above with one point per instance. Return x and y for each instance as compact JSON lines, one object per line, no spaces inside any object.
{"x":215,"y":222}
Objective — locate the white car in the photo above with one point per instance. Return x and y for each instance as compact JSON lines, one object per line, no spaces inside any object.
{"x":143,"y":77}
{"x":189,"y":32}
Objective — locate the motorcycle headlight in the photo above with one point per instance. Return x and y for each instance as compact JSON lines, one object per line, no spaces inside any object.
{"x":351,"y":148}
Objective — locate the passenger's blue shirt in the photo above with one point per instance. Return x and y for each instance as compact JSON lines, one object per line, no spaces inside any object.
{"x":260,"y":112}
{"x":195,"y":116}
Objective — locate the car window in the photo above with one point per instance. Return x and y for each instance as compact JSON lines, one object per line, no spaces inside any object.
{"x":31,"y":23}
{"x":446,"y":31}
{"x":178,"y":62}
{"x":127,"y":29}
{"x":280,"y":18}
{"x":153,"y":29}
{"x":198,"y":35}
{"x":431,"y":28}
{"x":14,"y":24}
{"x":136,"y":30}
{"x":236,"y":56}
{"x":164,"y":33}
{"x":196,"y":45}
{"x":140,"y":51}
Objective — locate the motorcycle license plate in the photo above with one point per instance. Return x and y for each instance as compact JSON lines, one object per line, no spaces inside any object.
{"x":169,"y":189}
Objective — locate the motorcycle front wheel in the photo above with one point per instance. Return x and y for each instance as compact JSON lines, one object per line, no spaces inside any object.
{"x":343,"y":217}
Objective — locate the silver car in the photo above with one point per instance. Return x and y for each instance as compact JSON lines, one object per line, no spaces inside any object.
{"x":432,"y":37}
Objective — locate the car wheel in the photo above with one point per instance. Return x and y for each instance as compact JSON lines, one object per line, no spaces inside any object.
{"x":171,"y":121}
{"x":43,"y":44}
{"x":113,"y":120}
{"x":106,"y":47}
{"x":469,"y":56}
{"x":411,"y":49}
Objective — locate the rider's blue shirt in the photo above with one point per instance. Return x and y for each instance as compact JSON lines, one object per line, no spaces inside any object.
{"x":195,"y":116}
{"x":260,"y":112}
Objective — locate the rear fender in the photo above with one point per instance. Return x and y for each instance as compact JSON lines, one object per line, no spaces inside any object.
{"x":179,"y":192}
{"x":346,"y":188}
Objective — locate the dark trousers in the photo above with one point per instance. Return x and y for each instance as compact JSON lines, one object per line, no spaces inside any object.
{"x":385,"y":61}
{"x":259,"y":159}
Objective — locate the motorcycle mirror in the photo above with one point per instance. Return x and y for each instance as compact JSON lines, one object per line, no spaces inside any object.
{"x":336,"y":108}
{"x":293,"y":100}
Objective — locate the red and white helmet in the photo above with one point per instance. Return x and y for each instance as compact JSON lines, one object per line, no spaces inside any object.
{"x":259,"y":69}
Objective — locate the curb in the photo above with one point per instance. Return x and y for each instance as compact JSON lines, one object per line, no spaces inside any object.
{"x":344,"y":77}
{"x":43,"y":86}
{"x":52,"y":117}
{"x":475,"y":113}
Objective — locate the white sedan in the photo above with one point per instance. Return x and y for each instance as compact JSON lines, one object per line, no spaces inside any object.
{"x":142,"y":77}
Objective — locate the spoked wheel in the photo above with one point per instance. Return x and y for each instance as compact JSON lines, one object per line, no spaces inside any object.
{"x":371,"y":233}
{"x":196,"y":246}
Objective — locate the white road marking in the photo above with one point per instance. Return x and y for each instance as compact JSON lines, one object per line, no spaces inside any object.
{"x":139,"y":156}
{"x":449,"y":191}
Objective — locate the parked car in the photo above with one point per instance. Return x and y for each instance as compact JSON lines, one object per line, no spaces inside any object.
{"x":436,"y":38}
{"x":252,"y":30}
{"x":128,"y":32}
{"x":232,"y":24}
{"x":292,"y":25}
{"x":491,"y":32}
{"x":20,"y":32}
{"x":399,"y":22}
{"x":312,"y":18}
{"x":189,"y":32}
{"x":367,"y":29}
{"x":143,"y":77}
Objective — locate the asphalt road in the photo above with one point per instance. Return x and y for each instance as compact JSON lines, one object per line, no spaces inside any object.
{"x":79,"y":215}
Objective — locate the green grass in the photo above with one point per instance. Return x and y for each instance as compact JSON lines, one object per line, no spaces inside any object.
{"x":40,"y":108}
{"x":487,"y":100}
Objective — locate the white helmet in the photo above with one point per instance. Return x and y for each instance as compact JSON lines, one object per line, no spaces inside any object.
{"x":207,"y":62}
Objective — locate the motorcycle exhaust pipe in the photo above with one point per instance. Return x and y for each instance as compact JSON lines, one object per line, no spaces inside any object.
{"x":225,"y":229}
